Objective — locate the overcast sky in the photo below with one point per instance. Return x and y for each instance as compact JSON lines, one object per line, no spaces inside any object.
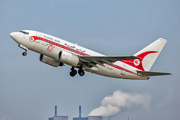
{"x":29,"y":89}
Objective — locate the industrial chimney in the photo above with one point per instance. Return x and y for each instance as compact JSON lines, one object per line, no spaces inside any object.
{"x":79,"y":111}
{"x":56,"y":110}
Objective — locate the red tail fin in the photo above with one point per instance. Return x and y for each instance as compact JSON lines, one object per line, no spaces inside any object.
{"x":147,"y":55}
{"x":137,"y":63}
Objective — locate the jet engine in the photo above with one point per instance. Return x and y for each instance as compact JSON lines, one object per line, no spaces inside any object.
{"x":50,"y":61}
{"x":68,"y":58}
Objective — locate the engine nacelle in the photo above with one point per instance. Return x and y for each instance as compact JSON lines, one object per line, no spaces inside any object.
{"x":50,"y":61}
{"x":68,"y":58}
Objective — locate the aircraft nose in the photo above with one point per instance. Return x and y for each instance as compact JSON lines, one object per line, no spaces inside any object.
{"x":13,"y":35}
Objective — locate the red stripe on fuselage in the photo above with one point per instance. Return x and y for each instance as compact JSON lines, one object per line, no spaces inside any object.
{"x":78,"y":52}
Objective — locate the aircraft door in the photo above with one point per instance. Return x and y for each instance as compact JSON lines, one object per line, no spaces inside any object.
{"x":38,"y":35}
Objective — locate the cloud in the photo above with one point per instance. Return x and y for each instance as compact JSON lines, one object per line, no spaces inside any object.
{"x":112,"y":105}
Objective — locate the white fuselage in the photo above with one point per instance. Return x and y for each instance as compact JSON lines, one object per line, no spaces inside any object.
{"x":49,"y":45}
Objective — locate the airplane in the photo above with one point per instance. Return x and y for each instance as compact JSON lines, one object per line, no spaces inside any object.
{"x":57,"y":52}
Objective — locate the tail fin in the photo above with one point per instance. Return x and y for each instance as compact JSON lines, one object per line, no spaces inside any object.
{"x":147,"y":55}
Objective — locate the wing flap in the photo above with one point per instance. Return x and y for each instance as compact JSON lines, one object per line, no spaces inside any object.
{"x":148,"y":73}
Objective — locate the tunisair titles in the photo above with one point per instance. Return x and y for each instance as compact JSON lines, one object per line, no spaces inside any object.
{"x":70,"y":46}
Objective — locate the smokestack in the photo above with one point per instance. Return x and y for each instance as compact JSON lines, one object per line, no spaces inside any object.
{"x":56,"y":110}
{"x":79,"y":111}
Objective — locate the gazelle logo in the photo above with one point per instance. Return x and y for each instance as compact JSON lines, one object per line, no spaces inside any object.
{"x":31,"y":39}
{"x":50,"y":48}
{"x":136,"y":62}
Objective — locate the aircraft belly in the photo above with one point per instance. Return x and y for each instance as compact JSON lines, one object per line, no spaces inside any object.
{"x":116,"y":73}
{"x":108,"y":71}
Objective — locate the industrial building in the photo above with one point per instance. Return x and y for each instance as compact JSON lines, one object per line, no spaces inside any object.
{"x":58,"y":117}
{"x":80,"y":118}
{"x":75,"y":118}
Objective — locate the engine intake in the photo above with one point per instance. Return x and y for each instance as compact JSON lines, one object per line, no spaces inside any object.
{"x":68,"y":58}
{"x":50,"y":61}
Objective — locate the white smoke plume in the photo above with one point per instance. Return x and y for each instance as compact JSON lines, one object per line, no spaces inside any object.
{"x":112,"y":105}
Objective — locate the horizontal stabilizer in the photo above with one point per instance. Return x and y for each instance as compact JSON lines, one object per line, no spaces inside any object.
{"x":148,"y":73}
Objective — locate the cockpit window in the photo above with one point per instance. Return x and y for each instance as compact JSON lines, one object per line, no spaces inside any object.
{"x":24,"y":32}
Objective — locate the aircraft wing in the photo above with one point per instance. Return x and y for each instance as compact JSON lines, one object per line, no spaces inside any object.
{"x":148,"y":73}
{"x":93,"y":60}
